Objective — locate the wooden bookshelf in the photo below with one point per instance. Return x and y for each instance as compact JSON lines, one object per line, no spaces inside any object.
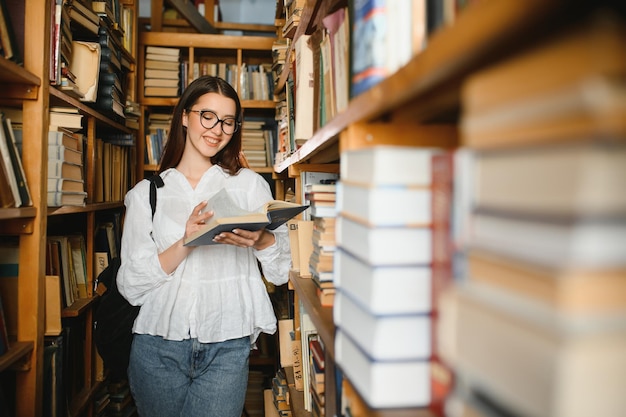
{"x":27,"y":88}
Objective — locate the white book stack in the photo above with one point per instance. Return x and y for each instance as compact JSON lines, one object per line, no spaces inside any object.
{"x":392,"y":251}
{"x":162,"y":71}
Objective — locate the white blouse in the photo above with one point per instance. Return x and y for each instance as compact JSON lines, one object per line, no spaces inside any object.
{"x":217,"y":292}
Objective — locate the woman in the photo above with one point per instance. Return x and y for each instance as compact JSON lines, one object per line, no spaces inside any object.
{"x":201,"y":307}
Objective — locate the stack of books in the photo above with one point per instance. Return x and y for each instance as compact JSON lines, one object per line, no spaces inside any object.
{"x":321,"y":198}
{"x":162,"y":73}
{"x":65,"y":159}
{"x":392,"y":239}
{"x":254,"y":143}
{"x":111,"y":90}
{"x":538,"y":324}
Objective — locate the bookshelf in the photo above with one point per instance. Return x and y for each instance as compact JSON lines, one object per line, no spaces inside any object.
{"x":426,"y":93}
{"x":235,"y":51}
{"x":27,"y":89}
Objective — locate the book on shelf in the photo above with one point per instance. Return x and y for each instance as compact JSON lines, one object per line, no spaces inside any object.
{"x":384,"y":290}
{"x":583,"y":242}
{"x":385,"y":245}
{"x":532,"y":359}
{"x":501,"y":112}
{"x":161,"y":82}
{"x":586,"y":179}
{"x":86,"y":65}
{"x":61,"y":169}
{"x":84,"y":21}
{"x":569,"y":290}
{"x":61,"y":256}
{"x":162,"y":73}
{"x":53,"y":306}
{"x":7,"y":198}
{"x":162,"y":57}
{"x":9,"y":46}
{"x":161,"y":91}
{"x":62,"y":153}
{"x":8,"y":173}
{"x":305,"y":246}
{"x":67,"y":120}
{"x":228,"y":216}
{"x":162,"y":50}
{"x":383,"y":384}
{"x":65,"y":138}
{"x":386,"y":205}
{"x":303,"y":92}
{"x":378,"y":165}
{"x":369,"y":44}
{"x":66,"y":198}
{"x":8,"y":136}
{"x":162,"y":65}
{"x":384,"y":336}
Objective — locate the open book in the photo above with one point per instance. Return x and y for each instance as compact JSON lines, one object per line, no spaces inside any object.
{"x":229,"y":216}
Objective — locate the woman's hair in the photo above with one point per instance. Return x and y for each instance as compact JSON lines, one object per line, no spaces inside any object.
{"x":227,"y":158}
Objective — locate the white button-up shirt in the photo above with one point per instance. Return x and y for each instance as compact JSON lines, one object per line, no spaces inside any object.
{"x":217,"y":292}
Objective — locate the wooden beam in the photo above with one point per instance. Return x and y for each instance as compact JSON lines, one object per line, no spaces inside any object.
{"x":188,"y":11}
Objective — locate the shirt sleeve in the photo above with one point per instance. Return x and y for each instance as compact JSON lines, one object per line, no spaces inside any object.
{"x":140,"y":270}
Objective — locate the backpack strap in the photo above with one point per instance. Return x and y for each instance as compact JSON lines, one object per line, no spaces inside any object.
{"x":155,"y":182}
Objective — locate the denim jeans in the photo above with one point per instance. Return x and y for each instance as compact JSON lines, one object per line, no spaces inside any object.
{"x":188,"y":378}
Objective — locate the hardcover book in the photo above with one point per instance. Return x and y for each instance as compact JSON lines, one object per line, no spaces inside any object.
{"x":229,"y":216}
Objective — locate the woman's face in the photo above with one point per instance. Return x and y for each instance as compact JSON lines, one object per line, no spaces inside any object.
{"x":206,"y":122}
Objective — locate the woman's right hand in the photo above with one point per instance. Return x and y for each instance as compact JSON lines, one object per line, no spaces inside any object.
{"x":197,"y":219}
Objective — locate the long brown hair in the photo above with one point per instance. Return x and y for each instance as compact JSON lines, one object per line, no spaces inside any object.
{"x":227,"y":158}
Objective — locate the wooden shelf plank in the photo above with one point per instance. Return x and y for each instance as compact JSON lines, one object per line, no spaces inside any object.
{"x":17,"y":351}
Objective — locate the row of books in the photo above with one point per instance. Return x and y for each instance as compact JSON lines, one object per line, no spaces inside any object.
{"x":14,"y":190}
{"x":392,"y":257}
{"x":536,"y":324}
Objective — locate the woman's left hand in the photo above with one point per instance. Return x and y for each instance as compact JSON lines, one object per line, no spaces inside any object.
{"x":259,"y":239}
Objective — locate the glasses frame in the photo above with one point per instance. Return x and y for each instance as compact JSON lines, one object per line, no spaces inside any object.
{"x":217,"y":120}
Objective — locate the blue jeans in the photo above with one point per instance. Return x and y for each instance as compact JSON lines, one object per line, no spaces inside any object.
{"x":188,"y":378}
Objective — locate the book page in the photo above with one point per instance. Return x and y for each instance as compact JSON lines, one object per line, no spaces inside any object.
{"x":223,"y":206}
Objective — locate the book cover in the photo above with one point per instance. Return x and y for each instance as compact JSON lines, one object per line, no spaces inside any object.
{"x":229,"y":216}
{"x":86,"y":65}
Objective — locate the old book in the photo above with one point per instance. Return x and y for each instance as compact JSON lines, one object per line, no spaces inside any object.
{"x":384,"y":337}
{"x":65,"y":138}
{"x":62,"y":169}
{"x":162,"y":50}
{"x":570,"y":290}
{"x":53,"y":306}
{"x":65,"y":185}
{"x":62,"y":153}
{"x":7,"y":168}
{"x":161,"y":82}
{"x":162,"y":65}
{"x":585,"y":179}
{"x":161,"y":91}
{"x":78,"y":251}
{"x":383,"y":384}
{"x":160,"y":57}
{"x":6,"y":193}
{"x":394,"y":289}
{"x":16,"y":161}
{"x":63,"y":119}
{"x":304,"y":93}
{"x":229,"y":216}
{"x":160,"y":73}
{"x":86,"y":65}
{"x":66,"y":198}
{"x":534,"y":359}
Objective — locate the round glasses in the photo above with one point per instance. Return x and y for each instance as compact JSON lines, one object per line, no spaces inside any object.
{"x":208,"y":120}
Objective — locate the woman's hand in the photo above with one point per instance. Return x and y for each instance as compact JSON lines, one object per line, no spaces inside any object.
{"x":197,"y":219}
{"x":259,"y":239}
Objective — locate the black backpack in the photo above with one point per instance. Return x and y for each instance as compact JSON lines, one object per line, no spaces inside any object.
{"x":114,"y":316}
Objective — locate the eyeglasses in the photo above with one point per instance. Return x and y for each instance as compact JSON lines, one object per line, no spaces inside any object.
{"x":208,"y":120}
